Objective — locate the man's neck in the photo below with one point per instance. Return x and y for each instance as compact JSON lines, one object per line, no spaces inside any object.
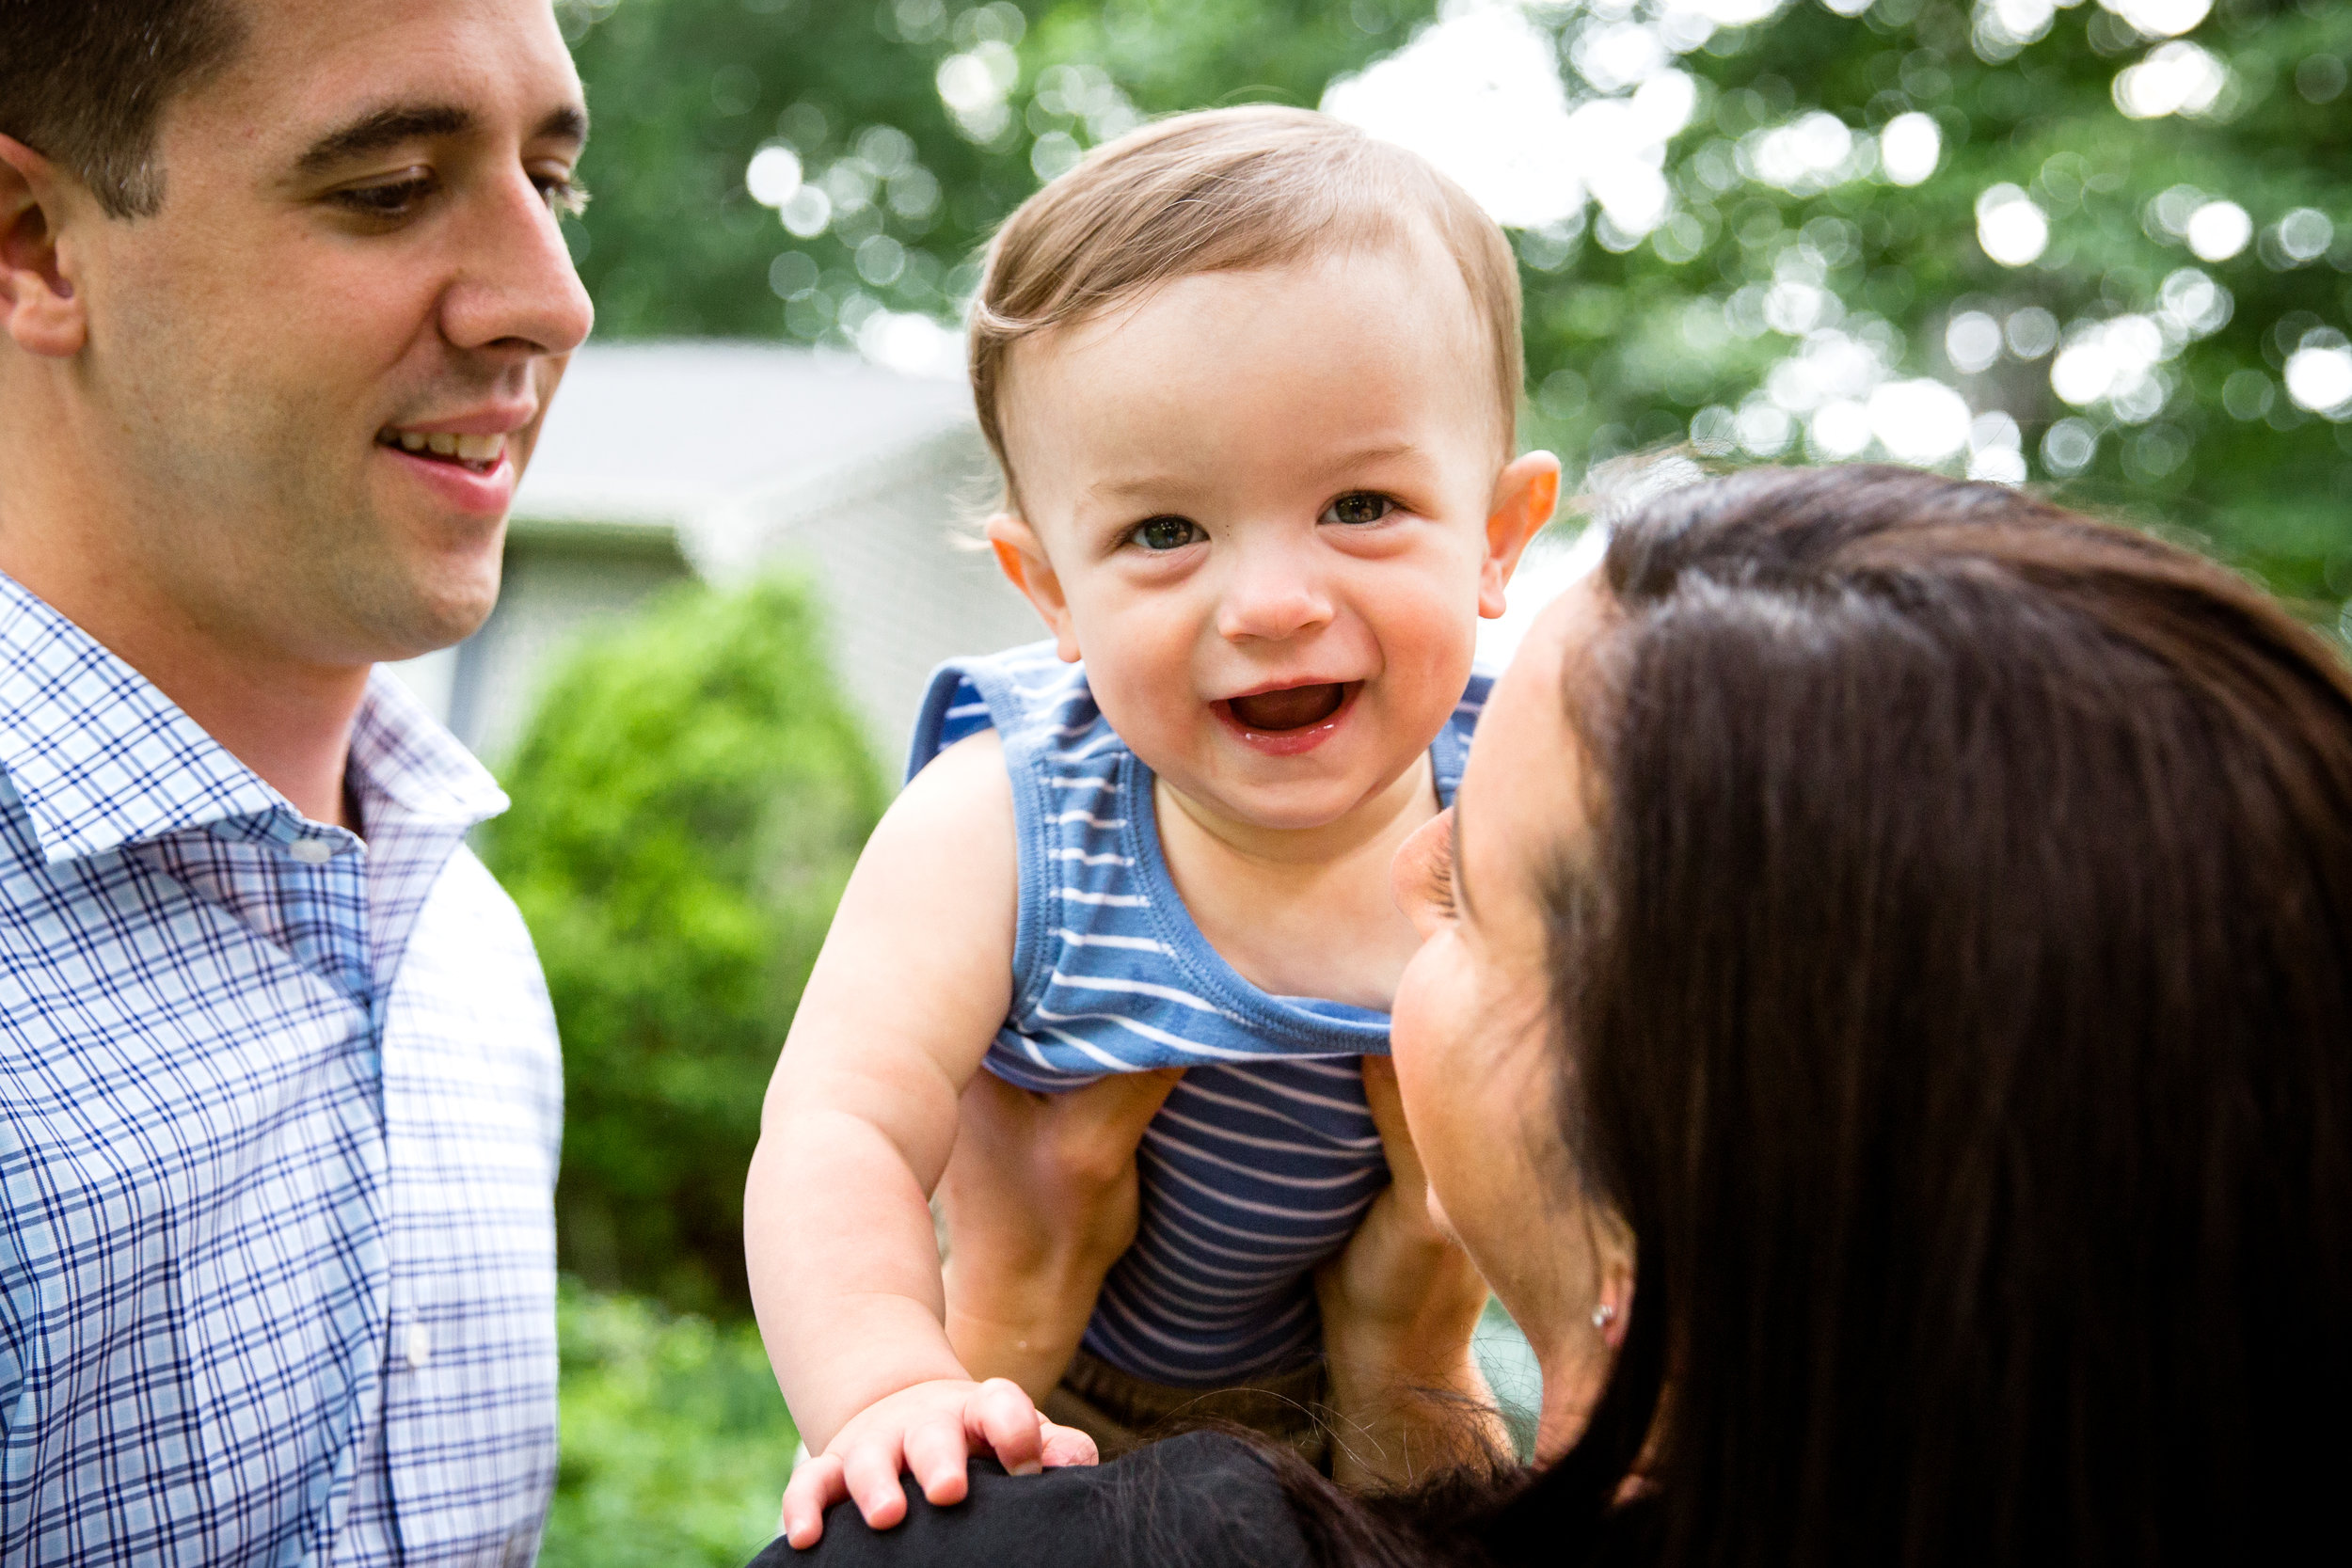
{"x":288,"y":720}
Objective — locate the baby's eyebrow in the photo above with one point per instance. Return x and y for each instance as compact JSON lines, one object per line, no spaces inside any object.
{"x":1129,"y":485}
{"x":1384,"y":452}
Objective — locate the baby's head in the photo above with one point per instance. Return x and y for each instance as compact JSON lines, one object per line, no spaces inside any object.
{"x":1253,"y":379}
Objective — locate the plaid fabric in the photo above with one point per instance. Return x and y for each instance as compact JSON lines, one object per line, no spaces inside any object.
{"x":278,"y":1112}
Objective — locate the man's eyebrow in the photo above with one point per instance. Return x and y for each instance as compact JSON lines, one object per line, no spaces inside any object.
{"x":382,"y":130}
{"x":402,"y":123}
{"x":568,"y":124}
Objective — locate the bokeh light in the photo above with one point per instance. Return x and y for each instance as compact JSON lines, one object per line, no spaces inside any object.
{"x":2319,"y":374}
{"x":2159,"y":19}
{"x":1909,"y":147}
{"x":2011,"y":226}
{"x":2218,"y":231}
{"x":773,"y":175}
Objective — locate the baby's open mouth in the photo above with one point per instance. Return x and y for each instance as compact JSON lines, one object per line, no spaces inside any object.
{"x":1293,"y":707}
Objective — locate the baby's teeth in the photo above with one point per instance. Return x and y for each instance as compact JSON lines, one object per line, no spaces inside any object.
{"x":411,"y":440}
{"x":442,"y":443}
{"x":480,"y":449}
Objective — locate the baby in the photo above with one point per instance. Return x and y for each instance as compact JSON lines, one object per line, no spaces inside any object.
{"x":1252,"y":380}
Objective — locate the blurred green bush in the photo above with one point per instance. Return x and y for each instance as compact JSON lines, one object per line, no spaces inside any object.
{"x":689,"y":800}
{"x":675,"y":1442}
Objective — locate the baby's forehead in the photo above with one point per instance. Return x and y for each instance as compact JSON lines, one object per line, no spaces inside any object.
{"x":1404,"y":249}
{"x":1389,"y":312}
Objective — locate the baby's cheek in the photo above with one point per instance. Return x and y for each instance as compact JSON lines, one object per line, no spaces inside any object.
{"x":1152,"y":711}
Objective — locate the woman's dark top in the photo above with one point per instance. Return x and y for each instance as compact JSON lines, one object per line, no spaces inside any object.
{"x":1210,"y":1500}
{"x":1203,"y":1499}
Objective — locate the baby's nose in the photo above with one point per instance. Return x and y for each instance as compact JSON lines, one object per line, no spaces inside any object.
{"x":1271,"y":600}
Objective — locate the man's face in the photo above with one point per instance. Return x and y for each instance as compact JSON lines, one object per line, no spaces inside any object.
{"x":326,"y":362}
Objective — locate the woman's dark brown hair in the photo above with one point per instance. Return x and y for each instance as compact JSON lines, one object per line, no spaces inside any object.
{"x":1956,"y":999}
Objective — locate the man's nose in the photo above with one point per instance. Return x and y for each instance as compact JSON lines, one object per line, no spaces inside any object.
{"x":517,"y":289}
{"x":1272,"y":594}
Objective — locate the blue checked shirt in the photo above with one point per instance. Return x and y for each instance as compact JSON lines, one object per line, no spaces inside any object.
{"x":278,"y":1112}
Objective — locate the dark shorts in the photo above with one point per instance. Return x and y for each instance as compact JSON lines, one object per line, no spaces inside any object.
{"x":1122,"y":1412}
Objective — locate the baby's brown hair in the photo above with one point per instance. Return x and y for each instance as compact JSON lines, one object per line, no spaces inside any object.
{"x":1225,"y":190}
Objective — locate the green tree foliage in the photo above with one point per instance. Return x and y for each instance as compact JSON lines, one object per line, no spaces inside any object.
{"x":923,"y":122}
{"x":675,"y":1442}
{"x":689,"y":801}
{"x":1768,"y":259}
{"x":1784,"y":277}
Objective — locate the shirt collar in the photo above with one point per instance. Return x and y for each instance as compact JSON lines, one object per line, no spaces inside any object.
{"x":401,"y":755}
{"x":100,"y":758}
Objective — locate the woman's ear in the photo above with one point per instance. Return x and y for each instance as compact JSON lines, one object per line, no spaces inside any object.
{"x":1526,"y":494}
{"x":40,"y":307}
{"x":1022,"y":555}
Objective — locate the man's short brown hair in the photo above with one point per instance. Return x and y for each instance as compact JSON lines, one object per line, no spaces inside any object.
{"x":1227,"y":190}
{"x":83,"y":83}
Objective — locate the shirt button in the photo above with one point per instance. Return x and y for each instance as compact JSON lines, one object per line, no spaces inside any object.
{"x":311,"y":851}
{"x":420,"y":1345}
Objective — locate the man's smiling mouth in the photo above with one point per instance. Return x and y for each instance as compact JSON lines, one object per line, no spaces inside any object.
{"x":1293,"y":707}
{"x":481,"y":455}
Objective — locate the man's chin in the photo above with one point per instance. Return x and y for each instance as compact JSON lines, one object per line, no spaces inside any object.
{"x":410,"y":619}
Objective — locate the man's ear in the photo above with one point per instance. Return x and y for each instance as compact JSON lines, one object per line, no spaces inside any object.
{"x":1526,"y":492}
{"x":1022,"y":555}
{"x":40,"y":307}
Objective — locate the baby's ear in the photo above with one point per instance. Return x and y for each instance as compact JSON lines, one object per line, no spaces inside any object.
{"x":1020,"y":555}
{"x":1526,"y":494}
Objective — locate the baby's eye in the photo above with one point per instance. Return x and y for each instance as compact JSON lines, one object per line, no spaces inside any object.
{"x":1167,"y":534}
{"x":1358,"y":506}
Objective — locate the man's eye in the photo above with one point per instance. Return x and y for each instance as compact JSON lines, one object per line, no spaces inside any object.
{"x":563,"y":194}
{"x":1167,"y":534}
{"x":391,"y":201}
{"x":1358,"y":506}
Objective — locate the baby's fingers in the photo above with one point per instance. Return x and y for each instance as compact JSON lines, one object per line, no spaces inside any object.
{"x":936,"y":1453}
{"x":872,"y":1470}
{"x":815,"y":1487}
{"x":1068,"y":1446}
{"x":1003,"y":1416}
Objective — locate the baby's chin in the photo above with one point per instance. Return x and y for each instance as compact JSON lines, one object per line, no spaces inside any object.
{"x":1303,"y":804}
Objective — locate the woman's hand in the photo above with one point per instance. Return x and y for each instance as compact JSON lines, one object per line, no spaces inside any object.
{"x":1399,"y":1306}
{"x":1037,"y":1201}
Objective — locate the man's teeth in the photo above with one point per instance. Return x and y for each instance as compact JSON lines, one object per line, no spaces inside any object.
{"x":440,"y":443}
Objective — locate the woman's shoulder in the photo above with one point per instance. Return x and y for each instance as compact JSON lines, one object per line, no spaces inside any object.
{"x":1202,"y":1500}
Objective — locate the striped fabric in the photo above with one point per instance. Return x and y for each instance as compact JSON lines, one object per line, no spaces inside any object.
{"x":278,"y":1112}
{"x":1265,"y":1155}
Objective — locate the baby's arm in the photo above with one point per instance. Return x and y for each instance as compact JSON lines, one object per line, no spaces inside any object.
{"x":913,"y":983}
{"x":1038,"y":1201}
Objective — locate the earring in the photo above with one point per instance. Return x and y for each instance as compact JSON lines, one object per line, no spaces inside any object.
{"x":1604,"y":1315}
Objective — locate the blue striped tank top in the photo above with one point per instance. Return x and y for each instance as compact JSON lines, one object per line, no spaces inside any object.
{"x":1265,"y":1155}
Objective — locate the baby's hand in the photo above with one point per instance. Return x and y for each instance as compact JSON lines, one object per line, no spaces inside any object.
{"x":930,"y":1431}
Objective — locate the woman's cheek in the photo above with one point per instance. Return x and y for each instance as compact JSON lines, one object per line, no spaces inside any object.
{"x":1434,"y":1011}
